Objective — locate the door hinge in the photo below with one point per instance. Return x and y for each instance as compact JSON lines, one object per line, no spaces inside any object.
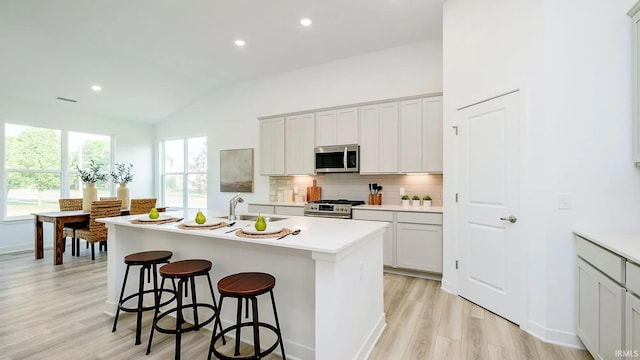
{"x":456,"y":129}
{"x":456,"y":197}
{"x":456,"y":264}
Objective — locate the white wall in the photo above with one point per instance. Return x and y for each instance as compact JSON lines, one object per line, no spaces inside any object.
{"x":570,"y":59}
{"x":229,"y":116}
{"x":135,"y":143}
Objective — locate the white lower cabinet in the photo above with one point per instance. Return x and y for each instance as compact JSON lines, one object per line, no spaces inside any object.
{"x":261,"y":209}
{"x":419,"y":247}
{"x":276,"y":209}
{"x":601,"y":298}
{"x":632,"y":329}
{"x":600,"y":312}
{"x":389,"y":245}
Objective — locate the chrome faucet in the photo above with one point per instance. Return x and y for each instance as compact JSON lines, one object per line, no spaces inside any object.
{"x":232,"y":206}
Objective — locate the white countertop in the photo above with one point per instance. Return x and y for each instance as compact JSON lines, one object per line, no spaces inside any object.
{"x":626,"y":245}
{"x":318,"y":234}
{"x":431,"y":209}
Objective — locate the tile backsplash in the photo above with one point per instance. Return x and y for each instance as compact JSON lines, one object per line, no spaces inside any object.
{"x":356,"y":187}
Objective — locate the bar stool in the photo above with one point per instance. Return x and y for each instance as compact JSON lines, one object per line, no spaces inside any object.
{"x":185,"y":272}
{"x":146,"y":260}
{"x":241,"y":286}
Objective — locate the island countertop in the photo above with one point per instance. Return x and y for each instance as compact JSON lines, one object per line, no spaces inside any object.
{"x":321,"y":235}
{"x":329,"y":274}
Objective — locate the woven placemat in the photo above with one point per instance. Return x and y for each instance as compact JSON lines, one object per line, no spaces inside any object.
{"x":209,"y":227}
{"x":152,"y":222}
{"x":282,"y":232}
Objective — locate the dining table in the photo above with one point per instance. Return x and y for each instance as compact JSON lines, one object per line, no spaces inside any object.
{"x":59,"y":219}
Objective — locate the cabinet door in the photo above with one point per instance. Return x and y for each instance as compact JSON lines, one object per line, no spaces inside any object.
{"x":389,"y":245}
{"x":632,"y":319}
{"x":419,"y":247}
{"x":261,"y":209}
{"x":369,"y":139}
{"x":272,"y":146}
{"x":347,"y":126}
{"x":299,"y":149}
{"x":290,"y":210}
{"x":599,"y":312}
{"x":326,"y":128}
{"x":411,"y":136}
{"x":388,"y":138}
{"x":432,"y":134}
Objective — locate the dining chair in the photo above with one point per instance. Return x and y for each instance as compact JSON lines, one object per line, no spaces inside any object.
{"x":142,"y":206}
{"x":97,"y":231}
{"x":70,"y":229}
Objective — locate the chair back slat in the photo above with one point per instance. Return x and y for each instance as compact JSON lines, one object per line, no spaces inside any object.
{"x":142,"y":206}
{"x":70,"y":204}
{"x":102,"y":209}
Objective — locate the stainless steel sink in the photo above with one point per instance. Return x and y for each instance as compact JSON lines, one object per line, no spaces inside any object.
{"x":255,"y":217}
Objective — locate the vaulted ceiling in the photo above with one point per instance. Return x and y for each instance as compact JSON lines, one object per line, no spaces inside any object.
{"x":154,"y":57}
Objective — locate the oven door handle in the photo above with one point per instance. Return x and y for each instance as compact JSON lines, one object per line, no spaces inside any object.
{"x":328,"y":216}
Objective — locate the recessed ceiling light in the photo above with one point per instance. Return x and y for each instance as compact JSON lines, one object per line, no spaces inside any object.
{"x":305,"y":22}
{"x":240,"y":43}
{"x":96,"y":88}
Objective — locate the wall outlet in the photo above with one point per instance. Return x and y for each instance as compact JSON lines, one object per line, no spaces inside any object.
{"x":564,"y":201}
{"x":401,"y":191}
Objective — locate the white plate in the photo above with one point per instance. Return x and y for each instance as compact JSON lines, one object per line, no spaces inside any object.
{"x":269,"y":230}
{"x":195,"y":224}
{"x":160,"y":218}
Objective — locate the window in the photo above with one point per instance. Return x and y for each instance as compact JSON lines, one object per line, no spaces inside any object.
{"x":184,"y":172}
{"x":38,"y":172}
{"x":33,"y":169}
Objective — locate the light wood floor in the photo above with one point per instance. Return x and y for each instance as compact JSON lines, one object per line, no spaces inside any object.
{"x":55,"y":312}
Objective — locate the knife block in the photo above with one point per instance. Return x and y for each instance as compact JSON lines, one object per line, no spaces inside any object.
{"x":375,"y":199}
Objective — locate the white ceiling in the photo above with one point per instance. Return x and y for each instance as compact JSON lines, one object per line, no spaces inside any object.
{"x":154,"y":57}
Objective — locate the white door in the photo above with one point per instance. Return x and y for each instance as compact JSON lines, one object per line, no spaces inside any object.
{"x":488,"y":196}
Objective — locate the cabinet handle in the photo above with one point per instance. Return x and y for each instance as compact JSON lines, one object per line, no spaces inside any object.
{"x":512,"y":219}
{"x":344,"y":159}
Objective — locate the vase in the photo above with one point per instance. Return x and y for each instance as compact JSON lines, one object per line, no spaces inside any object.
{"x":89,"y":194}
{"x":415,"y":203}
{"x":426,"y":203}
{"x":123,"y":194}
{"x":405,"y":202}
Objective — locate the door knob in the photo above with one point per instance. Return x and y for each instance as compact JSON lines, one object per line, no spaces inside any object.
{"x":512,"y":219}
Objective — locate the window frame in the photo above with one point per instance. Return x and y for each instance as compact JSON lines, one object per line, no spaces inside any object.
{"x":185,"y":173}
{"x":64,"y":172}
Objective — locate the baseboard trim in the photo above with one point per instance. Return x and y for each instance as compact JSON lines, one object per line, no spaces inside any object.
{"x":552,"y":336}
{"x":372,"y":339}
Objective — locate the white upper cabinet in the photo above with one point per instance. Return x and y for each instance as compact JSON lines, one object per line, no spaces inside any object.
{"x":421,"y":135}
{"x":272,"y":146}
{"x":379,"y":138}
{"x":299,"y":149}
{"x":337,"y":127}
{"x":635,"y":63}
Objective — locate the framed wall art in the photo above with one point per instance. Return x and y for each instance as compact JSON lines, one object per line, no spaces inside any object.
{"x":236,"y":170}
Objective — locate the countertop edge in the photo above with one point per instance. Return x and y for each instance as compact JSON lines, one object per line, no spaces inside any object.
{"x":421,"y":209}
{"x":626,"y":245}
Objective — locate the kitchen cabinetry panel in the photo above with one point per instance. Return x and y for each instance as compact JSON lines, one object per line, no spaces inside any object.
{"x":419,"y":247}
{"x":337,"y":127}
{"x":272,"y":146}
{"x":607,"y":262}
{"x":290,"y":210}
{"x":388,"y":250}
{"x":633,"y":278}
{"x":600,"y":305}
{"x":421,"y":135}
{"x":261,"y":209}
{"x":419,"y":218}
{"x":300,"y":144}
{"x":379,"y":148}
{"x":632,"y":329}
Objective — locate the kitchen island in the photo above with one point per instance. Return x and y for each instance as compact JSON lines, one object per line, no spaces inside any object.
{"x":329,"y":278}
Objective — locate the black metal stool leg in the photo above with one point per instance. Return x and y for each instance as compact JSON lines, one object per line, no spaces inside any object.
{"x":275,"y":315}
{"x":213,"y":336}
{"x":256,"y":329}
{"x":196,"y":323}
{"x":139,"y":312}
{"x":179,"y":317}
{"x":236,"y":352}
{"x":124,"y":284}
{"x":155,"y":314}
{"x":217,"y":309}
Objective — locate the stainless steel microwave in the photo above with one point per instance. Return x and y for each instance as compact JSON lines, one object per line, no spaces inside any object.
{"x":338,"y":158}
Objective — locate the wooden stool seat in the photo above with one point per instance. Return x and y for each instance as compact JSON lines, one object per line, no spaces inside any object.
{"x":148,"y":257}
{"x":246,"y":284}
{"x":186,"y":268}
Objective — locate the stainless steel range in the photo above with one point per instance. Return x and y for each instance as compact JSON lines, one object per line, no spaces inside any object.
{"x":340,"y":209}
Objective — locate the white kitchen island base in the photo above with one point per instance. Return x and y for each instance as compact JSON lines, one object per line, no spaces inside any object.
{"x":329,"y":279}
